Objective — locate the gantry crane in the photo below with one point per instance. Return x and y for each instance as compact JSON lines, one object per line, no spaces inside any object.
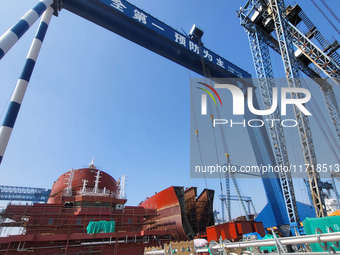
{"x":269,"y":24}
{"x":131,"y":22}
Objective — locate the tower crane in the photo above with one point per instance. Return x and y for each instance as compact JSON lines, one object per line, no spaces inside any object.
{"x":269,"y":24}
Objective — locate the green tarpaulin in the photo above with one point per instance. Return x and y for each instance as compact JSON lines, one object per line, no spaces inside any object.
{"x":310,"y":224}
{"x":268,"y":248}
{"x":102,"y":226}
{"x":265,"y":248}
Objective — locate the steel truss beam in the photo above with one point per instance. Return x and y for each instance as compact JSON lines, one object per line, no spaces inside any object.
{"x":264,"y":72}
{"x":24,"y":194}
{"x":227,"y":192}
{"x":314,"y":54}
{"x":247,"y":200}
{"x":312,"y":72}
{"x":263,"y":66}
{"x":290,"y":64}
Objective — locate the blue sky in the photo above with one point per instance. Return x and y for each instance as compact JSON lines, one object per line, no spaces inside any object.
{"x":94,"y":93}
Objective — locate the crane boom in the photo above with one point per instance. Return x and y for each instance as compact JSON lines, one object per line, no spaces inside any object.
{"x":127,"y":20}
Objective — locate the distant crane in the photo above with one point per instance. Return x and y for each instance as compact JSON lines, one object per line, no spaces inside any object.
{"x":217,"y":220}
{"x":247,"y":209}
{"x":337,"y":177}
{"x":327,"y":186}
{"x":227,"y":198}
{"x":16,"y":193}
{"x":261,"y":18}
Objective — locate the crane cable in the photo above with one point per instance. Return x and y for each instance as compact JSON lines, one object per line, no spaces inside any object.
{"x":224,"y":140}
{"x":327,"y":133}
{"x":323,"y":13}
{"x":225,"y":146}
{"x":324,"y":133}
{"x":317,"y":113}
{"x":206,"y":74}
{"x":216,"y":151}
{"x":196,"y":126}
{"x":330,"y":10}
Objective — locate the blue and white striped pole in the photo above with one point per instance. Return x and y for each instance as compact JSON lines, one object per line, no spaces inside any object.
{"x":21,"y":86}
{"x":11,"y":36}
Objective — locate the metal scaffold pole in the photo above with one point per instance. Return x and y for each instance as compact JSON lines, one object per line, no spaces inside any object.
{"x":12,"y":35}
{"x":21,"y":86}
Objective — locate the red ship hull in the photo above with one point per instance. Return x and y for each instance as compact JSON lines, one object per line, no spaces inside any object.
{"x":125,"y":243}
{"x":85,"y":197}
{"x":179,"y":211}
{"x":61,"y":226}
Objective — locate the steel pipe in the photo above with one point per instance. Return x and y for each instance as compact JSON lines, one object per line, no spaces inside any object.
{"x":318,"y":238}
{"x":161,"y":252}
{"x":330,"y":237}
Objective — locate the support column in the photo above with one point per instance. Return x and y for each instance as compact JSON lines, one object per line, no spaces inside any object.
{"x":11,"y":36}
{"x":21,"y":86}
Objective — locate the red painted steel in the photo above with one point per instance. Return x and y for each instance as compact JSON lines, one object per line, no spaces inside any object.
{"x":127,"y":243}
{"x":258,"y":227}
{"x":79,"y":175}
{"x":180,"y":211}
{"x":169,"y":213}
{"x":59,"y":227}
{"x":234,"y":230}
{"x":226,"y":231}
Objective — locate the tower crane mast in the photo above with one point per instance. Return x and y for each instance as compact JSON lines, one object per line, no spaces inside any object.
{"x":262,"y":17}
{"x":292,"y":73}
{"x":261,"y":57}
